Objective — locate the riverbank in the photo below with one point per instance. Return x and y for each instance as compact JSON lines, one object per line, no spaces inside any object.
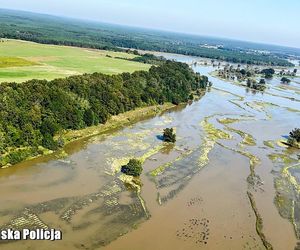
{"x":114,"y":123}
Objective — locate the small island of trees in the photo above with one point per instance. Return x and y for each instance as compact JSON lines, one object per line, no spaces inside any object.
{"x":133,"y":167}
{"x":253,"y":84}
{"x":169,"y":135}
{"x":294,"y":138}
{"x":285,"y":80}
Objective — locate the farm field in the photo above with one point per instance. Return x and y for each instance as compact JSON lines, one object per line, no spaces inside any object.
{"x":21,"y":61}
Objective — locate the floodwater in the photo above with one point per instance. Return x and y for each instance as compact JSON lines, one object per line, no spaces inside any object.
{"x":197,"y":194}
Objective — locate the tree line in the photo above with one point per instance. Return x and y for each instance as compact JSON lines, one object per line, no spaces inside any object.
{"x":59,"y":31}
{"x":32,"y":113}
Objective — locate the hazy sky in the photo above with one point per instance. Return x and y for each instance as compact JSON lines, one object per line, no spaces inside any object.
{"x":269,"y":21}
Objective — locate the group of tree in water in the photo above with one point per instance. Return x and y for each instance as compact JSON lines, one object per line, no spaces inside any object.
{"x":248,"y":74}
{"x":32,"y":113}
{"x":134,"y":166}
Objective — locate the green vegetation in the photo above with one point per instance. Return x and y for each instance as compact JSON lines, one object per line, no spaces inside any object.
{"x":262,"y":81}
{"x":61,"y":31}
{"x":268,"y":72}
{"x":169,"y":135}
{"x":149,"y":58}
{"x":285,"y":80}
{"x":253,"y":84}
{"x":259,"y":223}
{"x":38,"y":61}
{"x":133,"y":167}
{"x":36,"y":112}
{"x":294,"y":138}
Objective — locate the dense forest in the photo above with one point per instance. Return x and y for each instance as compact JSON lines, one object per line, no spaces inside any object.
{"x":61,"y":31}
{"x":33,"y":112}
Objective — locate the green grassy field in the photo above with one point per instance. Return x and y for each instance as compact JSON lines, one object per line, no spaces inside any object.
{"x":21,"y":61}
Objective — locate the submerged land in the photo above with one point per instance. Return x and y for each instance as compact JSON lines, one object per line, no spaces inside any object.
{"x":230,"y":179}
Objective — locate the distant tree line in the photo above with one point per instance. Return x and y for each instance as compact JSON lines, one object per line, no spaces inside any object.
{"x":58,"y":31}
{"x":149,"y":59}
{"x":33,"y":112}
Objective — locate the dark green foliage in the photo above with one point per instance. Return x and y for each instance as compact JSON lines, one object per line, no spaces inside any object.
{"x":243,"y":71}
{"x":89,"y":117}
{"x":261,"y":85}
{"x":169,"y":135}
{"x":133,"y":168}
{"x":62,"y":31}
{"x":33,"y":112}
{"x":149,"y":58}
{"x":49,"y":126}
{"x":295,"y":134}
{"x":285,"y":80}
{"x":262,"y":81}
{"x":268,"y":72}
{"x":294,"y":138}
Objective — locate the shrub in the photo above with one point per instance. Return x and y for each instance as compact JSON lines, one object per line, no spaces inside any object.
{"x":169,"y":135}
{"x":294,"y":138}
{"x":285,"y":80}
{"x":133,"y":168}
{"x":295,"y":134}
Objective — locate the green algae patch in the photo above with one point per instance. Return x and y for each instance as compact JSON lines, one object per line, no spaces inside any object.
{"x":286,"y":173}
{"x":131,"y":181}
{"x":212,"y":132}
{"x":247,"y":138}
{"x":282,"y":143}
{"x":259,"y":222}
{"x":269,"y":144}
{"x":212,"y":135}
{"x":225,"y":121}
{"x":276,"y":157}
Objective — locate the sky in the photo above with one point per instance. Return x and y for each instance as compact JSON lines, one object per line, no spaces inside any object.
{"x":266,"y":21}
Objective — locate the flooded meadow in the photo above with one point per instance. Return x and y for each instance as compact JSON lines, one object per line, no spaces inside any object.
{"x":227,"y":183}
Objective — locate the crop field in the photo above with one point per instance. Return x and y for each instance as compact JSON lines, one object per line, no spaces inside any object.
{"x":21,"y":61}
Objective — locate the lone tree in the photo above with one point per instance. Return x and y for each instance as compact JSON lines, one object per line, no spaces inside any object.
{"x":133,"y":168}
{"x":169,"y":135}
{"x":285,"y":80}
{"x":294,"y":138}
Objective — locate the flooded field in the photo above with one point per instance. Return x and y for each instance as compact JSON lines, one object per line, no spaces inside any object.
{"x":227,"y":183}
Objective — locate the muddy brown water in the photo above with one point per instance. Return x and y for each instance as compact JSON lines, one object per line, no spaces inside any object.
{"x":194,"y":194}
